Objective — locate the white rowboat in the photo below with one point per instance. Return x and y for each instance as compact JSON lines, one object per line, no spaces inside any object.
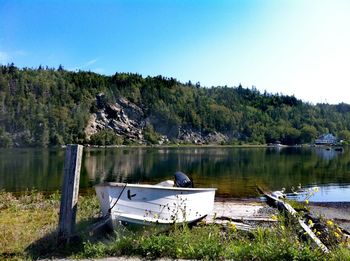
{"x":153,"y":204}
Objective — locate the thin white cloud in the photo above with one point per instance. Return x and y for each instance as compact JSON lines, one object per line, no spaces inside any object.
{"x":85,"y":65}
{"x":90,"y":62}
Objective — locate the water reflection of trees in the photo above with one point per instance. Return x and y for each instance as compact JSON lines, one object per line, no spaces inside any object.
{"x":22,"y":169}
{"x":235,"y":171}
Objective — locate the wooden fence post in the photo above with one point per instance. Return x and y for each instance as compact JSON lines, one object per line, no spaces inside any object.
{"x":69,"y":192}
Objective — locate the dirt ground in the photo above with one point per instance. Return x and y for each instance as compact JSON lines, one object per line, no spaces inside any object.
{"x":245,"y":210}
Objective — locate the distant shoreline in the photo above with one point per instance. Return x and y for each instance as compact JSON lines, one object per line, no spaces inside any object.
{"x":211,"y":146}
{"x":87,"y":146}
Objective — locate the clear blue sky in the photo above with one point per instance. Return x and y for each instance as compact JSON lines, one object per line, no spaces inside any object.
{"x":299,"y":47}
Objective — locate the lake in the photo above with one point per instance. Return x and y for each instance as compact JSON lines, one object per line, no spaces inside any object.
{"x":234,"y":171}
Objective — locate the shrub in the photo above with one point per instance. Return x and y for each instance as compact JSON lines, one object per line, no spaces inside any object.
{"x":150,"y":134}
{"x":105,"y":137}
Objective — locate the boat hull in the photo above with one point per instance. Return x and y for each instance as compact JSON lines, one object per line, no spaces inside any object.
{"x":149,"y":205}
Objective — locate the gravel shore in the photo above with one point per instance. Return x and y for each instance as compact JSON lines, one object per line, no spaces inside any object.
{"x":337,"y":211}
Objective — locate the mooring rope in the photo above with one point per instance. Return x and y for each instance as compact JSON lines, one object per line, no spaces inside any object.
{"x":120,"y":194}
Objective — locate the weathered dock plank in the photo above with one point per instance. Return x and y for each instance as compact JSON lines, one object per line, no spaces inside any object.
{"x":238,"y":210}
{"x":244,"y":215}
{"x":284,"y":206}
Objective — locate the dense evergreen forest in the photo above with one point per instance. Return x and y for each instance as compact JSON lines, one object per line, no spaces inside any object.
{"x":47,"y":107}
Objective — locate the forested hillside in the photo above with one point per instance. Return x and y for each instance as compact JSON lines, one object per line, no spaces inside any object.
{"x":46,"y":107}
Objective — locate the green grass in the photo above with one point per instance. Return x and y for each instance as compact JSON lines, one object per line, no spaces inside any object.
{"x":31,"y":220}
{"x":28,"y":223}
{"x":213,"y":243}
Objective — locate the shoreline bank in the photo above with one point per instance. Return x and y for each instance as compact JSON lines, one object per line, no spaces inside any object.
{"x":29,"y":222}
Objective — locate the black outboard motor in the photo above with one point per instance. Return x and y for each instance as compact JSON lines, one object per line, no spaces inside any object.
{"x":181,"y":180}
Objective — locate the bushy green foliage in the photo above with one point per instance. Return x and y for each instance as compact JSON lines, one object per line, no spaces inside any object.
{"x":5,"y":140}
{"x":105,"y":137}
{"x":150,"y":134}
{"x":45,"y":107}
{"x":345,"y":136}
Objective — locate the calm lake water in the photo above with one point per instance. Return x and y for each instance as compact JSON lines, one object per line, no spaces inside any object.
{"x":234,"y":171}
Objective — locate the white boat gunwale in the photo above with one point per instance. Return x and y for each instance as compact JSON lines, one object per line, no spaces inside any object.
{"x":130,"y":185}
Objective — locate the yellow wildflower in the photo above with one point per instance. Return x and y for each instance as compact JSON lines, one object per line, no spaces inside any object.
{"x":336,"y":234}
{"x":339,"y":230}
{"x":306,"y":201}
{"x":318,"y":233}
{"x":274,"y":217}
{"x":311,"y":224}
{"x":330,"y":223}
{"x":233,"y":226}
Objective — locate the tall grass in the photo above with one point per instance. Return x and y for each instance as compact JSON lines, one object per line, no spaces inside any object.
{"x":214,"y":242}
{"x":30,"y":217}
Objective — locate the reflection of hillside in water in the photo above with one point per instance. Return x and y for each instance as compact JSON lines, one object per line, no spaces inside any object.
{"x":229,"y":169}
{"x":140,"y":164}
{"x":112,"y":165}
{"x":26,"y":169}
{"x":236,"y":172}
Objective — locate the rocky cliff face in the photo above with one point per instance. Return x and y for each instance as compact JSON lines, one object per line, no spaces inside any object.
{"x":128,"y":120}
{"x":124,"y":118}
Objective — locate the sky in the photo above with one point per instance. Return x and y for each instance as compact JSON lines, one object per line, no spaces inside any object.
{"x":293,"y":47}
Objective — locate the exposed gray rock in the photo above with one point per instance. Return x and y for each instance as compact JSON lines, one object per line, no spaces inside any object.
{"x":130,"y":109}
{"x":123,"y":117}
{"x":216,"y":138}
{"x":190,"y":136}
{"x":128,"y":120}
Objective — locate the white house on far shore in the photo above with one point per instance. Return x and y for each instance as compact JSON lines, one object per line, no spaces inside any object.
{"x":326,"y":139}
